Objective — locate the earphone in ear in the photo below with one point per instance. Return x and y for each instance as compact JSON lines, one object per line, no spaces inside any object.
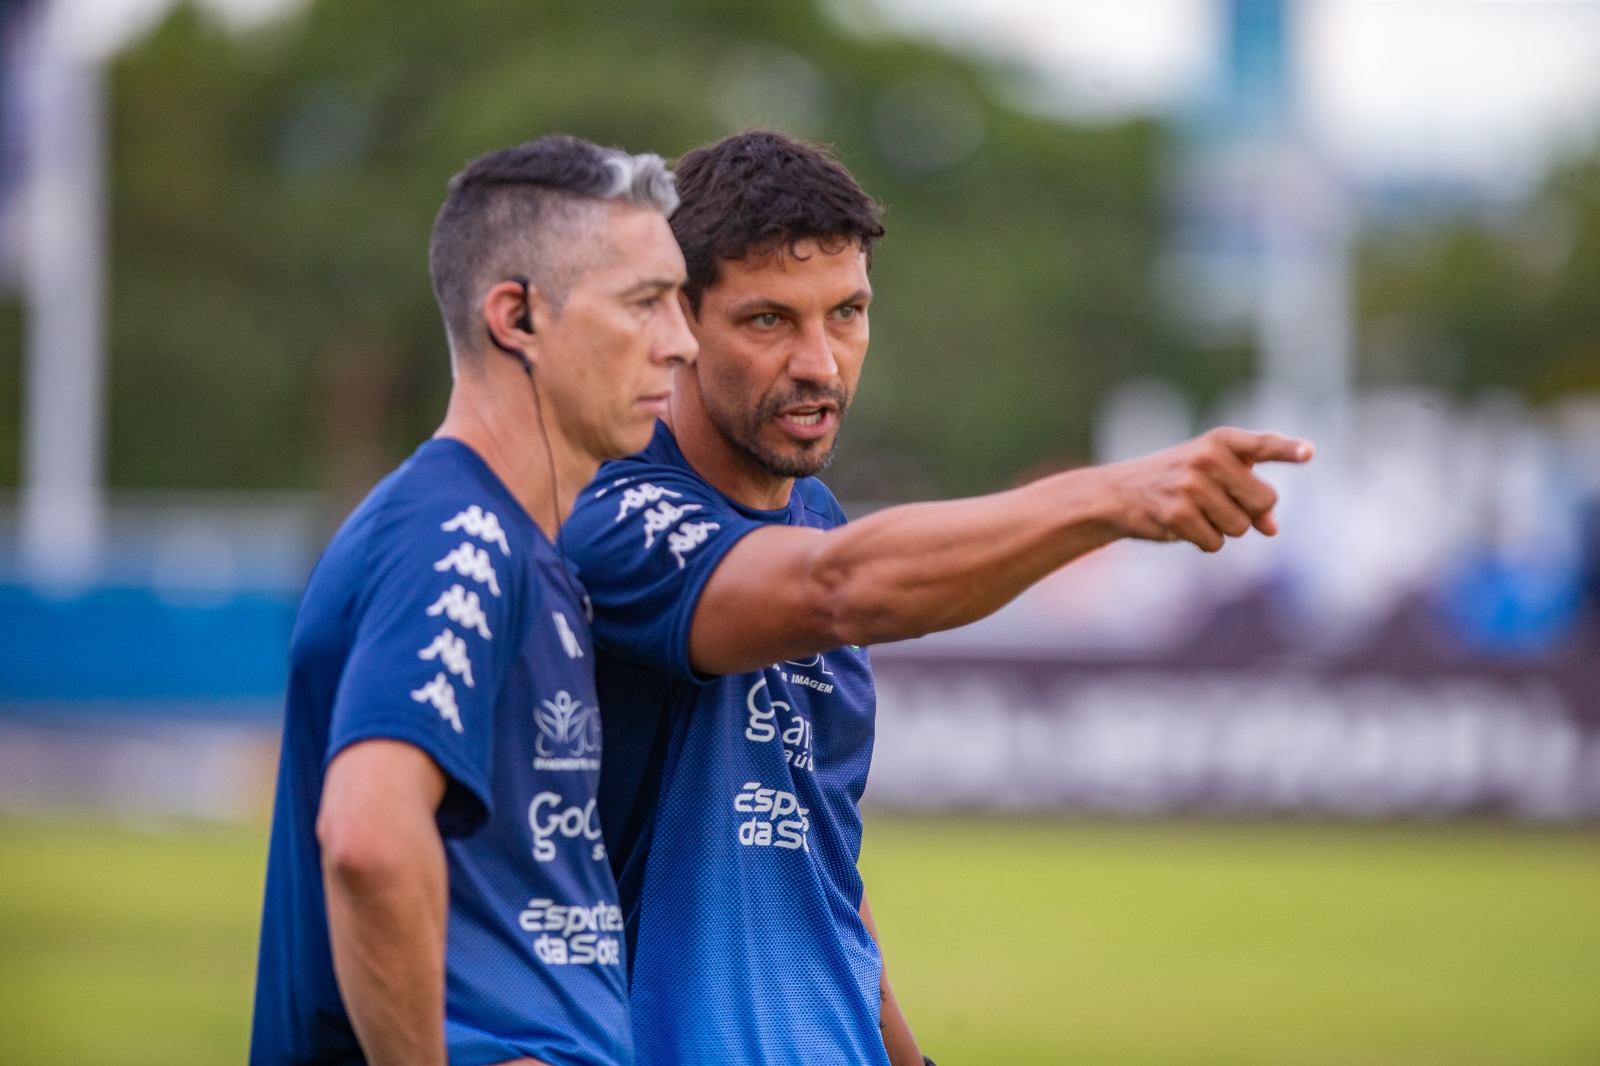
{"x":524,"y":320}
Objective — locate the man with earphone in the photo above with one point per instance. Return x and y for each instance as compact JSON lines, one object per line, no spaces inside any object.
{"x":437,"y":887}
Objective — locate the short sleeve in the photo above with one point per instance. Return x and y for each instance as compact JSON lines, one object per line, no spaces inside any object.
{"x":646,"y":541}
{"x":434,"y":635}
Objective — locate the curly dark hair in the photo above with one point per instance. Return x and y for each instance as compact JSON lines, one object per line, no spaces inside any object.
{"x":758,"y":191}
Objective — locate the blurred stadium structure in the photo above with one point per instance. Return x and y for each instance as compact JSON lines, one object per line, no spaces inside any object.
{"x":1422,"y":639}
{"x":1419,"y":640}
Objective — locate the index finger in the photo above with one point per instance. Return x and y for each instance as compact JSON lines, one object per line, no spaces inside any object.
{"x":1267,"y":447}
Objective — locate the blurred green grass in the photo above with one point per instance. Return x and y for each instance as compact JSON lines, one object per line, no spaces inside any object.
{"x":1241,"y":944}
{"x":1010,"y":941}
{"x":127,"y":946}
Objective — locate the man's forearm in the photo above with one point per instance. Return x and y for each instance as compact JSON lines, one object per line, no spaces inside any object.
{"x":898,"y":1040}
{"x":386,"y":884}
{"x":388,"y":954}
{"x":895,"y":574}
{"x":917,"y":569}
{"x":905,"y":571}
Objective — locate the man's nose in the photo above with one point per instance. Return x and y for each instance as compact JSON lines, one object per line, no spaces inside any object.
{"x":812,"y":358}
{"x":677,"y":344}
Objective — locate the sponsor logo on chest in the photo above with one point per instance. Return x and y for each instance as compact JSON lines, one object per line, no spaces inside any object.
{"x":771,"y":720}
{"x":574,"y":935}
{"x":777,"y":819}
{"x":569,"y":734}
{"x":553,"y":819}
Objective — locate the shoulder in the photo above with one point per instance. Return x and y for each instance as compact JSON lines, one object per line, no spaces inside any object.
{"x":636,"y":511}
{"x":447,"y":490}
{"x":821,"y":508}
{"x":651,"y":491}
{"x":440,"y":512}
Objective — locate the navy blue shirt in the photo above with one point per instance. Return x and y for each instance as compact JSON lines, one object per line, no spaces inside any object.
{"x":729,"y":803}
{"x":441,"y":616}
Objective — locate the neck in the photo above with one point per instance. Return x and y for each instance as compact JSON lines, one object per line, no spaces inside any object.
{"x":714,"y":457}
{"x":492,"y":411}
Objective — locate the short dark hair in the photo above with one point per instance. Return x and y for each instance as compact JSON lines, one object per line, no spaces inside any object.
{"x":758,"y":191}
{"x":511,"y":212}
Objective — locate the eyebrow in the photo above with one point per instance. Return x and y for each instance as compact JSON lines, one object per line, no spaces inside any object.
{"x":759,"y":305}
{"x":653,"y":284}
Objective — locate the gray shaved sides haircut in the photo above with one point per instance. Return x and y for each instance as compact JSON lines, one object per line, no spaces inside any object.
{"x":532,"y":211}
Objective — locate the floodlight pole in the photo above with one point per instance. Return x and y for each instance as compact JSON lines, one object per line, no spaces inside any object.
{"x":63,"y":272}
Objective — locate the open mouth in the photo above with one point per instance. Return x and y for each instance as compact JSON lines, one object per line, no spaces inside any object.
{"x":808,"y":421}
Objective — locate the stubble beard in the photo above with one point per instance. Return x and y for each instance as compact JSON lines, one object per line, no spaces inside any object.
{"x":808,"y":460}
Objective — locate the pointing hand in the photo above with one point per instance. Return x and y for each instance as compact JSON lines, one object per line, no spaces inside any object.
{"x":1204,"y":490}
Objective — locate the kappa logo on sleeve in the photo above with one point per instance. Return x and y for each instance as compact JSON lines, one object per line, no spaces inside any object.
{"x":688,"y":538}
{"x":469,"y":561}
{"x":642,"y":496}
{"x":463,"y":608}
{"x":442,"y":694}
{"x":663,"y":517}
{"x":481,"y":524}
{"x":451,"y":651}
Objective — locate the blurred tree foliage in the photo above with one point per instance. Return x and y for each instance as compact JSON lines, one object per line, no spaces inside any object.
{"x":272,"y":321}
{"x":1511,"y":302}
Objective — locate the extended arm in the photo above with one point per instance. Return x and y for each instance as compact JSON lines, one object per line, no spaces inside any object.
{"x":783,"y":592}
{"x":897,"y":1038}
{"x":383,"y":869}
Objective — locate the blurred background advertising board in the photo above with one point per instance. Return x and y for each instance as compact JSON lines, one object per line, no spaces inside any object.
{"x":1110,"y":227}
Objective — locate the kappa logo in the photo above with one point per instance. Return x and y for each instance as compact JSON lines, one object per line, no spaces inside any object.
{"x":688,"y":538}
{"x":442,"y":694}
{"x":473,"y":562}
{"x":643,"y":496}
{"x":450,"y":650}
{"x":569,"y":639}
{"x":463,"y":608}
{"x":569,"y":734}
{"x":663,"y":517}
{"x":481,"y":524}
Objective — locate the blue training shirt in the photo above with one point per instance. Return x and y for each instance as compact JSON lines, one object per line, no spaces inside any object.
{"x":441,"y":616}
{"x":730,"y":803}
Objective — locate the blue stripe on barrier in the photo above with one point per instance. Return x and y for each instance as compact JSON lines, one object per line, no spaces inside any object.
{"x":126,"y":643}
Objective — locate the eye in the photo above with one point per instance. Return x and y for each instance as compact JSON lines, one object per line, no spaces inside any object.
{"x":766,"y":319}
{"x":650,"y":302}
{"x":847,"y":312}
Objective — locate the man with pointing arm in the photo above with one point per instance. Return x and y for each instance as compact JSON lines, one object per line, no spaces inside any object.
{"x":733,"y":609}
